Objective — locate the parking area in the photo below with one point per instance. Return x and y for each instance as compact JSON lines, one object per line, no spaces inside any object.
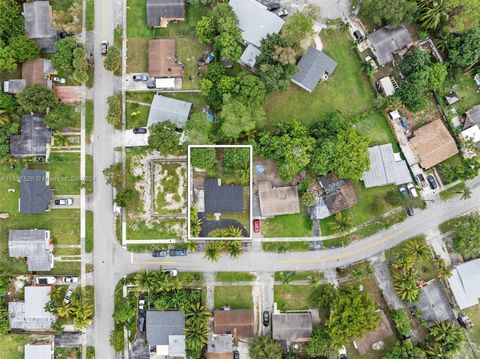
{"x":131,"y":85}
{"x":63,"y":202}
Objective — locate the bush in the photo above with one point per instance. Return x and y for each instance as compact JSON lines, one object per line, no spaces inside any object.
{"x":113,"y":60}
{"x":114,"y":115}
{"x":36,"y":98}
{"x":204,"y":158}
{"x":117,"y":339}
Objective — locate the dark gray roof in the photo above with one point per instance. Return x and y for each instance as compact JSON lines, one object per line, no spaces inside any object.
{"x":164,"y":9}
{"x":387,"y":41}
{"x":161,"y":325}
{"x":35,"y":195}
{"x":474,"y":115}
{"x":38,"y":24}
{"x":434,"y":304}
{"x":33,"y":139}
{"x":166,"y":108}
{"x":313,"y":66}
{"x":292,"y":327}
{"x":32,"y":244}
{"x":222,"y":199}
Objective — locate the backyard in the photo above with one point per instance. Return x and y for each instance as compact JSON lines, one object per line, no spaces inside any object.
{"x":347,"y":90}
{"x":12,"y":345}
{"x":239,"y":297}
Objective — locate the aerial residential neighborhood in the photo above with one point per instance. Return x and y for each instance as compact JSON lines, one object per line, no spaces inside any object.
{"x":243,"y":179}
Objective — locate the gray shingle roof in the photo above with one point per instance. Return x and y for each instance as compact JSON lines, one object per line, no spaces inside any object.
{"x":33,"y":139}
{"x":384,"y":168}
{"x":33,"y":244}
{"x":313,"y":66}
{"x":38,"y":24}
{"x":292,"y":327}
{"x":474,"y":115}
{"x":164,"y":9}
{"x":255,"y":21}
{"x":31,"y":314}
{"x":386,"y":42}
{"x":222,"y":199}
{"x":166,"y":108}
{"x":161,"y":325}
{"x":35,"y":195}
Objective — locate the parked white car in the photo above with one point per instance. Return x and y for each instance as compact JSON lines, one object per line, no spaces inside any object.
{"x":412,"y":189}
{"x":45,"y":280}
{"x":70,"y":279}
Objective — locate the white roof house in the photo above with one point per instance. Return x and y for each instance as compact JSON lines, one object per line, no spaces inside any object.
{"x":38,"y":351}
{"x":471,"y":133}
{"x":464,"y":283}
{"x":30,"y":315}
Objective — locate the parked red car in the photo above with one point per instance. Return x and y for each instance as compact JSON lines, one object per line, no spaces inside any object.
{"x":256,"y":225}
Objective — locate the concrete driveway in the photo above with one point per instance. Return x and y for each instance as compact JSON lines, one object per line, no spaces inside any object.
{"x":75,"y":205}
{"x":330,"y":9}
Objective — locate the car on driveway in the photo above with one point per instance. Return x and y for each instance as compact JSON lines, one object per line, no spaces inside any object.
{"x":159,"y":253}
{"x":140,"y":77}
{"x":412,"y":189}
{"x":421,"y":180}
{"x":70,"y":279}
{"x":406,"y":193}
{"x":266,"y":318}
{"x":58,"y":80}
{"x":141,"y":304}
{"x":64,"y":202}
{"x":68,"y":296}
{"x":139,"y":130}
{"x":358,"y":36}
{"x":177,"y":252}
{"x":431,"y":181}
{"x":281,"y":13}
{"x":45,"y":280}
{"x":256,"y":225}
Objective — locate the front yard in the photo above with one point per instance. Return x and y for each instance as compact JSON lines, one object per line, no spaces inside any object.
{"x":239,"y":297}
{"x":295,"y":297}
{"x":288,"y":225}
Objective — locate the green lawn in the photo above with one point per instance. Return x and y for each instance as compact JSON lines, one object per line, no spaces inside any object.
{"x":347,"y":90}
{"x":300,"y":275}
{"x":89,"y":232}
{"x":454,"y":191}
{"x":300,"y":246}
{"x":234,"y":277}
{"x":375,"y":126}
{"x":137,"y":54}
{"x":295,"y":297}
{"x":146,"y":97}
{"x":288,"y":225}
{"x":90,"y":15}
{"x":371,"y":203}
{"x":12,"y":346}
{"x":243,"y":218}
{"x":89,"y":115}
{"x":449,"y":225}
{"x":137,"y":115}
{"x":73,"y":115}
{"x":474,"y":315}
{"x":89,"y":174}
{"x":163,"y":229}
{"x":466,"y":91}
{"x":239,"y":297}
{"x":65,"y":173}
{"x":188,"y":53}
{"x":65,"y":268}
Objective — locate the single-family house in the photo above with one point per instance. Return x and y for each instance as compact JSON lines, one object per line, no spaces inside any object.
{"x":314,"y":67}
{"x":432,"y":144}
{"x":292,"y":327}
{"x":386,"y":167}
{"x":338,"y":194}
{"x":165,"y":335}
{"x":161,"y":12}
{"x":14,"y":86}
{"x":35,"y":192}
{"x":220,"y":346}
{"x":382,"y":332}
{"x":255,"y":23}
{"x":275,"y":201}
{"x":222,"y":199}
{"x":464,"y":283}
{"x":434,"y":304}
{"x":167,"y":108}
{"x":35,"y":245}
{"x":34,"y":139}
{"x":239,"y":323}
{"x":39,"y":351}
{"x":162,"y":59}
{"x":37,"y":72}
{"x":385,"y":42}
{"x":30,"y":314}
{"x":39,"y":24}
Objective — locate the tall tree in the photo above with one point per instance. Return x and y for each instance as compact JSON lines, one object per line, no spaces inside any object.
{"x":386,"y":12}
{"x":265,"y":347}
{"x":24,"y":48}
{"x":62,"y":60}
{"x":113,"y":60}
{"x":466,"y":237}
{"x":297,"y":28}
{"x":464,"y":48}
{"x":11,"y":20}
{"x":8,"y":62}
{"x":406,"y":350}
{"x":164,"y":138}
{"x":446,"y":336}
{"x":239,"y":118}
{"x":320,"y":344}
{"x":36,"y":98}
{"x":433,"y":14}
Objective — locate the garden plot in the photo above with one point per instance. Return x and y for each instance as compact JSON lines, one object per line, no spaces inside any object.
{"x":169,"y":188}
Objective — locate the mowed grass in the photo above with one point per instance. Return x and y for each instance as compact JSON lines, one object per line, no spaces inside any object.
{"x":347,"y":90}
{"x":295,"y":297}
{"x":375,"y":126}
{"x":234,"y":277}
{"x":300,"y":275}
{"x":65,"y":173}
{"x":163,"y":229}
{"x":298,"y":246}
{"x":137,"y":115}
{"x":89,"y":231}
{"x":12,"y":346}
{"x":454,"y":191}
{"x":188,"y":53}
{"x":238,"y":297}
{"x":137,"y":54}
{"x":288,"y":225}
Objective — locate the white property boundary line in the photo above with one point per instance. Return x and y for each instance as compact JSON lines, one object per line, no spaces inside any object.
{"x":189,"y":194}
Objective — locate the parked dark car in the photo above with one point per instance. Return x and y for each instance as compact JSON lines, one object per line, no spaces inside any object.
{"x":421,"y":180}
{"x":177,"y":252}
{"x":358,"y":36}
{"x":406,"y":193}
{"x":281,"y":13}
{"x":140,"y":77}
{"x":159,"y":253}
{"x":151,"y":84}
{"x":431,"y":181}
{"x":273,"y":6}
{"x":236,"y":354}
{"x":266,"y":318}
{"x":139,"y":130}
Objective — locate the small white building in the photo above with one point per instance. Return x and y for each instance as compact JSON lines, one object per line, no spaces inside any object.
{"x":464,"y":283}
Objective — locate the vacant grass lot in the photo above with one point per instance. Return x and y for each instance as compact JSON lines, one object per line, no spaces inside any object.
{"x":371,"y":203}
{"x":13,"y":346}
{"x":236,"y":297}
{"x":234,"y":277}
{"x":347,"y":90}
{"x":295,"y":297}
{"x":375,"y":126}
{"x":162,"y":229}
{"x":288,"y":225}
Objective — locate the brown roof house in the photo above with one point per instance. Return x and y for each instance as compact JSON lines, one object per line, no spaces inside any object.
{"x":37,"y":72}
{"x":374,"y":339}
{"x":239,"y":323}
{"x":433,"y":144}
{"x":292,"y":327}
{"x":162,"y":59}
{"x":276,"y":201}
{"x":161,"y":12}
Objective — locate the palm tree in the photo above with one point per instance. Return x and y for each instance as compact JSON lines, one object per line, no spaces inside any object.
{"x":234,"y":232}
{"x":4,"y":118}
{"x":405,"y":285}
{"x":417,"y":250}
{"x":345,"y":26}
{"x":243,"y":173}
{"x":448,"y":334}
{"x":195,"y":222}
{"x":234,"y":248}
{"x":442,"y":271}
{"x":286,"y":277}
{"x":144,"y":279}
{"x":435,"y":350}
{"x":466,"y":192}
{"x":218,"y":233}
{"x":197,"y":312}
{"x":213,"y":251}
{"x":61,"y":140}
{"x":191,"y":246}
{"x":343,"y":223}
{"x":433,"y":14}
{"x":65,"y":310}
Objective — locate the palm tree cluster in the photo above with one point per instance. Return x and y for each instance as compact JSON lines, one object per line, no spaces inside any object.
{"x":178,"y":299}
{"x":433,"y":14}
{"x":80,"y":309}
{"x":443,"y":272}
{"x":195,"y":223}
{"x":196,"y":328}
{"x":444,"y":339}
{"x":156,"y":281}
{"x":214,"y":249}
{"x":229,"y":232}
{"x":405,"y":276}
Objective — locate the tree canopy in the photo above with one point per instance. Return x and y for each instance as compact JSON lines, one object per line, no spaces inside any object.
{"x":164,"y":138}
{"x":11,"y":20}
{"x":36,"y":98}
{"x":24,"y":48}
{"x":387,"y":12}
{"x":203,"y":157}
{"x":320,"y":343}
{"x":198,"y":129}
{"x":113,"y":60}
{"x":464,"y":48}
{"x":265,"y":347}
{"x":466,"y":237}
{"x":406,"y":350}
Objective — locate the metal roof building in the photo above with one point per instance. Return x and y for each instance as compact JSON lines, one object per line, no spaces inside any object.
{"x":385,"y":42}
{"x":34,"y":138}
{"x":464,"y":283}
{"x":222,"y":199}
{"x":35,"y":194}
{"x":314,"y":66}
{"x":34,"y":244}
{"x":38,"y":351}
{"x":39,"y":26}
{"x":31,"y":315}
{"x":167,"y":108}
{"x":385,"y":168}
